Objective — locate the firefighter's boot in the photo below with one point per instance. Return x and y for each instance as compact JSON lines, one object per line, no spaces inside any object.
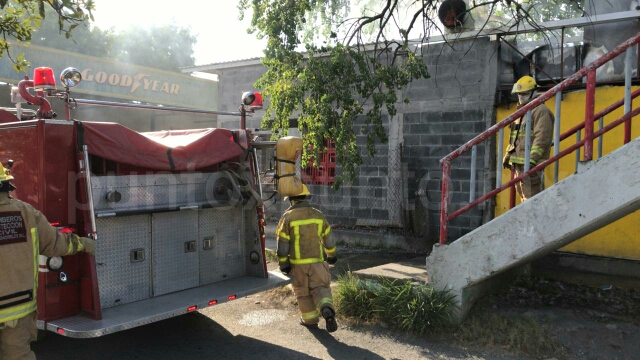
{"x":330,"y":317}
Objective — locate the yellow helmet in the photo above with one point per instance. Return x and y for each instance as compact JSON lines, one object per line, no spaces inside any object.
{"x":525,"y":84}
{"x":5,"y":174}
{"x":304,"y":192}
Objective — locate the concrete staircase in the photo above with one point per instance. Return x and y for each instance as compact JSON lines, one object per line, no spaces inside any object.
{"x":600,"y":192}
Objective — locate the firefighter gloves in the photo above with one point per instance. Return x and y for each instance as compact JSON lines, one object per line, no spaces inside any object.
{"x":286,"y":269}
{"x":505,"y":162}
{"x":332,"y":260}
{"x":88,"y":245}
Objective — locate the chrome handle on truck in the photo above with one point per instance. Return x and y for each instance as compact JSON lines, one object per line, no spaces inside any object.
{"x":137,"y":255}
{"x":207,"y":243}
{"x":190,"y":246}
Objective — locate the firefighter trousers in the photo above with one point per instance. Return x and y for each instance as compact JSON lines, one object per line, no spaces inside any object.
{"x":15,"y":341}
{"x":311,"y":286}
{"x":529,"y":186}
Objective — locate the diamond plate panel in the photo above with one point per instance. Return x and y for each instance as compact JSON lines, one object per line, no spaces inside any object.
{"x":225,"y":260}
{"x":173,"y":268}
{"x":119,"y":280}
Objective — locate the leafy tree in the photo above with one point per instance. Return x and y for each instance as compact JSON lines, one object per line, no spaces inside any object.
{"x":355,"y":61}
{"x":86,"y":39}
{"x":20,"y":18}
{"x":166,"y":47}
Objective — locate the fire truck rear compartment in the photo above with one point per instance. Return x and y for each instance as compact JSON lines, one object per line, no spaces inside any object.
{"x":166,"y":235}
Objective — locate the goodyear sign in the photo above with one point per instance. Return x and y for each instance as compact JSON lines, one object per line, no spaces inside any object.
{"x":120,"y":81}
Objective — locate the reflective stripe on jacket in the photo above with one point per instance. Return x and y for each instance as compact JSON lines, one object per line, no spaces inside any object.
{"x":303,"y":235}
{"x":25,"y":234}
{"x":541,"y":136}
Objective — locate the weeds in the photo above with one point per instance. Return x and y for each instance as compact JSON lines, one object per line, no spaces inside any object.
{"x":514,"y":334}
{"x":355,"y":297}
{"x":271,"y":256}
{"x":406,"y":306}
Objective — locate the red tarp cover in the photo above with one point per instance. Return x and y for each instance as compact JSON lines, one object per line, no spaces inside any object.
{"x":190,"y":149}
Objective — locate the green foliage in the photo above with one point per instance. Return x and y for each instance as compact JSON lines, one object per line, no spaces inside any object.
{"x":410,"y":307}
{"x":355,"y":297}
{"x":167,"y":47}
{"x":333,"y":83}
{"x":85,"y":39}
{"x":354,"y":64}
{"x":20,"y":18}
{"x":271,"y":256}
{"x":415,"y":308}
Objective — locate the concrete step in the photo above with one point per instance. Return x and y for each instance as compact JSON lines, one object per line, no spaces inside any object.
{"x":413,"y":270}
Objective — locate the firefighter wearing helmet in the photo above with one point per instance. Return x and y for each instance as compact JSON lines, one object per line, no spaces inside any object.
{"x":541,"y":138}
{"x":25,"y":234}
{"x":302,"y":236}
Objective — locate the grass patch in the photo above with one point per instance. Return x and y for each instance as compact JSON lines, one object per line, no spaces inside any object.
{"x":514,"y":334}
{"x":406,"y":306}
{"x":271,"y":256}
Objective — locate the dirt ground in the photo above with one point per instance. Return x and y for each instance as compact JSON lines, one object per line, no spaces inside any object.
{"x":575,"y":321}
{"x":582,"y":319}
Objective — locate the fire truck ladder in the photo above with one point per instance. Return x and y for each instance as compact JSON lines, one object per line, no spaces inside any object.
{"x":600,"y":192}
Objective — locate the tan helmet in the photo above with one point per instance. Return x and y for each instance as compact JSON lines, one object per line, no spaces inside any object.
{"x":525,"y":84}
{"x":5,"y":173}
{"x":305,"y":192}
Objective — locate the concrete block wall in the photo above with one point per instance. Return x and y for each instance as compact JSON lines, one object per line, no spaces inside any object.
{"x":444,"y":112}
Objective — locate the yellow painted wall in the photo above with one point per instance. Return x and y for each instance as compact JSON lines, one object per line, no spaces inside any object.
{"x":620,"y":239}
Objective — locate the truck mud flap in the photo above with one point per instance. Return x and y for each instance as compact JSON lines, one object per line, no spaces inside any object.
{"x":148,"y":311}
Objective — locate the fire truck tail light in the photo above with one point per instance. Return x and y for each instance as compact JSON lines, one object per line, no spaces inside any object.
{"x":43,"y":78}
{"x":67,"y":230}
{"x":60,"y":331}
{"x":231,"y":297}
{"x":213,"y":302}
{"x":55,"y":223}
{"x":192,"y":308}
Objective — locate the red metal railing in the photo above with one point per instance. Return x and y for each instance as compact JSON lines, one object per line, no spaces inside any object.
{"x":587,"y":142}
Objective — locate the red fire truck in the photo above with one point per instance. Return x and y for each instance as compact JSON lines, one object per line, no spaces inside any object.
{"x":177,"y":216}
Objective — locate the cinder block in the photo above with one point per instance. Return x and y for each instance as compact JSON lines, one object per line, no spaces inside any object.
{"x":380,"y":214}
{"x":420,"y":128}
{"x":362,"y":213}
{"x":411,"y":118}
{"x":440,"y":128}
{"x":411,"y":139}
{"x":473,"y":115}
{"x":452,"y":116}
{"x":452,"y":140}
{"x":430,"y":140}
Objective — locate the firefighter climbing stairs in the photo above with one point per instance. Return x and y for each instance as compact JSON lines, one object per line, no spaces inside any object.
{"x":598,"y":193}
{"x":550,"y":220}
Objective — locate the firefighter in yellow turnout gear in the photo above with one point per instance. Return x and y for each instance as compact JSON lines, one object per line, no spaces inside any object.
{"x":24,"y":235}
{"x":303,"y":235}
{"x":541,"y":139}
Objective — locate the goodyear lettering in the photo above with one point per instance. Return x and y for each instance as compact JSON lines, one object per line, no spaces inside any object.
{"x":136,"y":82}
{"x":12,"y":228}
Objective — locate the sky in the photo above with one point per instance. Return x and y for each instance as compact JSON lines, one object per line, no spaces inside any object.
{"x":220,"y":35}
